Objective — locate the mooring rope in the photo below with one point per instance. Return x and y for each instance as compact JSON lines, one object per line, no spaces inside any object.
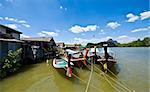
{"x":86,"y":82}
{"x":120,"y":80}
{"x":110,"y":83}
{"x":86,"y":90}
{"x":107,"y":79}
{"x":121,"y":85}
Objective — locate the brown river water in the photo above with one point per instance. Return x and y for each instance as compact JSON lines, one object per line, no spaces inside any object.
{"x":132,"y":69}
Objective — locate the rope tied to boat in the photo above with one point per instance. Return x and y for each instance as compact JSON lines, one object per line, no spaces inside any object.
{"x":90,"y":77}
{"x":120,"y":84}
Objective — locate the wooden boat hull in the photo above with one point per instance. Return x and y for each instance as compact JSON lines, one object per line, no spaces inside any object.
{"x":61,"y":64}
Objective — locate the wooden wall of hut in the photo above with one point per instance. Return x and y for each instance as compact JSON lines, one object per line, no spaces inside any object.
{"x":5,"y":46}
{"x":35,"y":51}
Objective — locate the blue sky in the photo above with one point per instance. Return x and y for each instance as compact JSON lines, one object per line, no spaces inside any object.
{"x":78,"y":21}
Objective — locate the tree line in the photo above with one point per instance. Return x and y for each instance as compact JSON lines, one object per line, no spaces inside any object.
{"x":112,"y":43}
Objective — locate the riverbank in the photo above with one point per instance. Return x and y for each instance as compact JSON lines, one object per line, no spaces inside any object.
{"x":132,"y":68}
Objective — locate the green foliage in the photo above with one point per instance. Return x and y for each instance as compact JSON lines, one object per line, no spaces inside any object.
{"x":111,"y":43}
{"x":138,"y":43}
{"x":10,"y":63}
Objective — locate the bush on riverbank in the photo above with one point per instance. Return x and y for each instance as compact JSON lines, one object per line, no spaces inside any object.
{"x":11,"y":63}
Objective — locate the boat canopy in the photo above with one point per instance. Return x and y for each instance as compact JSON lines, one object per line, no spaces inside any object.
{"x":93,"y":50}
{"x":108,"y":50}
{"x":71,"y":51}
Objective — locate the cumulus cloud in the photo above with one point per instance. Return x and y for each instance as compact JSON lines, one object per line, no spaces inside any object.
{"x":47,"y":33}
{"x":93,"y":40}
{"x":125,"y":39}
{"x":113,"y":25}
{"x":1,"y":18}
{"x":145,"y":15}
{"x":22,"y":21}
{"x":79,"y":29}
{"x":84,"y":41}
{"x":26,"y":25}
{"x":13,"y":26}
{"x":132,"y":18}
{"x":41,"y":34}
{"x":11,"y":19}
{"x":101,"y":32}
{"x":62,"y":8}
{"x":16,"y":21}
{"x":24,"y":36}
{"x":120,"y":39}
{"x":141,"y":29}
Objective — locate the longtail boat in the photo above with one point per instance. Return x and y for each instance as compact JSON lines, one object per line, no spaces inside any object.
{"x":60,"y":63}
{"x":77,"y":57}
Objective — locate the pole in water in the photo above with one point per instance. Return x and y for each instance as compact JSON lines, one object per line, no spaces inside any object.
{"x":95,"y":56}
{"x":85,"y":57}
{"x":69,"y":70}
{"x":106,"y":57}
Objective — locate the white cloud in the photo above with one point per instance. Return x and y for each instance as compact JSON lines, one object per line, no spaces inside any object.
{"x":141,"y":29}
{"x":24,"y":36}
{"x":22,"y":21}
{"x":60,"y":7}
{"x":132,"y":17}
{"x":13,"y":26}
{"x":16,"y":21}
{"x":92,"y":40}
{"x":102,"y":30}
{"x":120,"y":39}
{"x":50,"y":33}
{"x":11,"y":19}
{"x":46,"y":33}
{"x":122,"y":36}
{"x":125,"y":39}
{"x":113,"y":25}
{"x":26,"y":25}
{"x":79,"y":29}
{"x":84,"y":41}
{"x":41,"y":34}
{"x":63,"y":8}
{"x":1,"y":18}
{"x":145,"y":15}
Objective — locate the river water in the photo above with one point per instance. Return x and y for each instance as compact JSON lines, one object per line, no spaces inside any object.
{"x":132,"y":69}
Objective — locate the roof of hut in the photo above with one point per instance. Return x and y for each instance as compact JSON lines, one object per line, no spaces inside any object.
{"x":38,"y":39}
{"x":11,"y":40}
{"x":10,"y":29}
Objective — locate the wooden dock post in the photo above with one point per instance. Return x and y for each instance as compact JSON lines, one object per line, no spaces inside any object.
{"x":69,"y":70}
{"x":106,"y":57}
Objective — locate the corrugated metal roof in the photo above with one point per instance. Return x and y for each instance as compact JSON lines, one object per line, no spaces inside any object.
{"x":41,"y":39}
{"x":10,"y":29}
{"x":11,"y":40}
